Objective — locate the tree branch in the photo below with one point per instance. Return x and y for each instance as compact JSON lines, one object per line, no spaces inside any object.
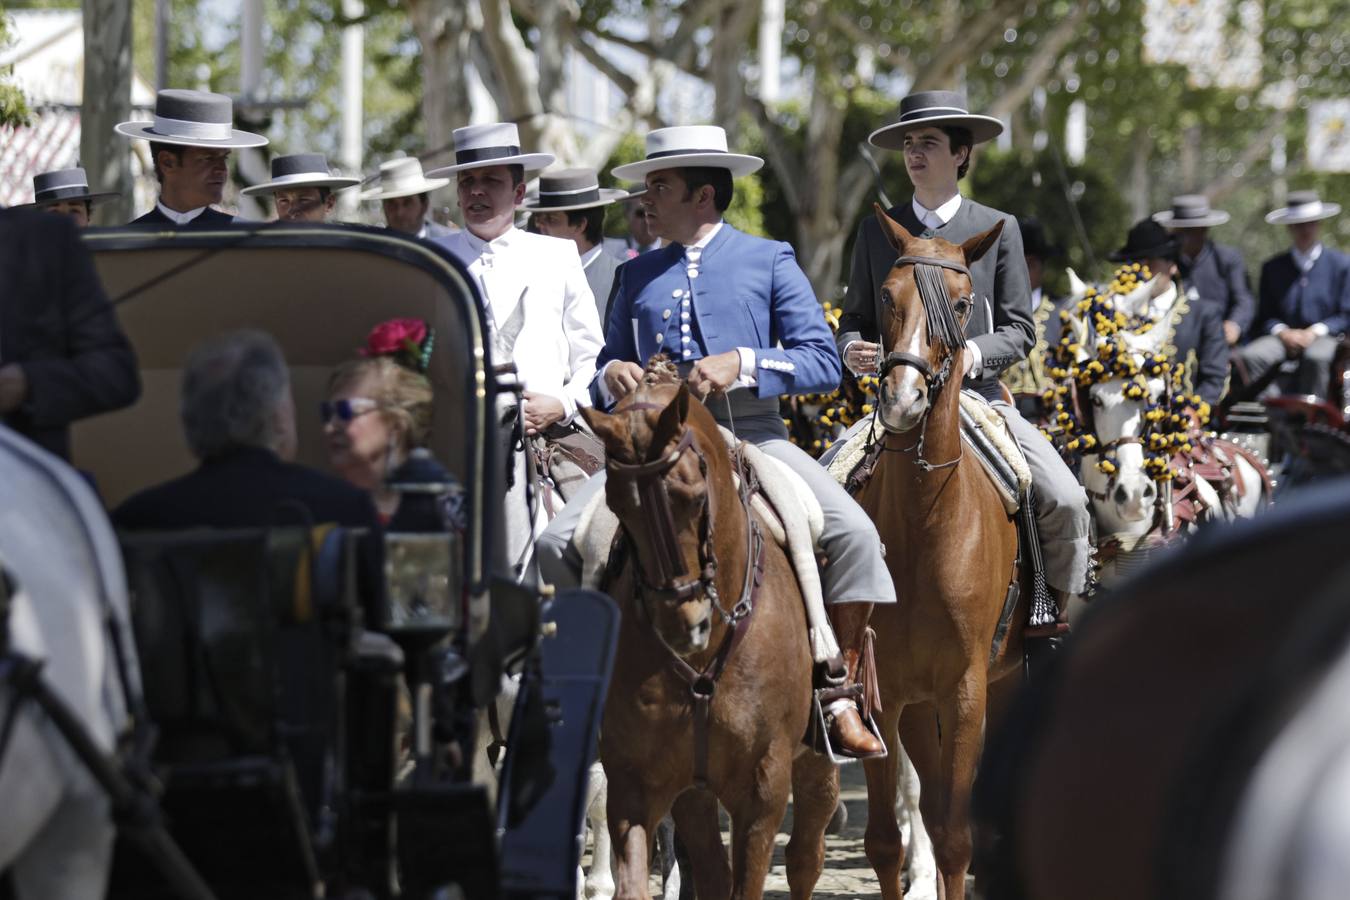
{"x":1220,"y":187}
{"x":939,"y":73}
{"x":1046,"y":56}
{"x":776,"y":143}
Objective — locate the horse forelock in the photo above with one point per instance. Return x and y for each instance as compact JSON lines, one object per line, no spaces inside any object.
{"x":933,"y":290}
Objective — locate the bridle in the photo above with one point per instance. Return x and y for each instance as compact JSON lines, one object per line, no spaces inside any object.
{"x":671,"y":571}
{"x":942,"y":324}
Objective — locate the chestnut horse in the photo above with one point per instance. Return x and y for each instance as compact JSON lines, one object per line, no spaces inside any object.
{"x":733,"y":632}
{"x":951,"y":548}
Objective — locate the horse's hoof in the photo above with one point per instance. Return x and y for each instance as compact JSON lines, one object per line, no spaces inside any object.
{"x":839,"y":820}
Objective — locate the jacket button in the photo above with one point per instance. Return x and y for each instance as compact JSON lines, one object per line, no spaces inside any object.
{"x":665,"y":314}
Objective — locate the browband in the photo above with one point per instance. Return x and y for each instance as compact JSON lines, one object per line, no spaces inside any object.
{"x":932,"y":261}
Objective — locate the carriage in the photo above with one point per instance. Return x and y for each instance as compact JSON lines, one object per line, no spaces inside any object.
{"x":264,"y":747}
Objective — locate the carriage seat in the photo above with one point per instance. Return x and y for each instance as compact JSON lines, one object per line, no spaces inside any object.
{"x":242,"y":637}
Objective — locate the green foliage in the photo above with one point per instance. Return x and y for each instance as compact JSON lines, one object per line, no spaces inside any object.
{"x":14,"y":111}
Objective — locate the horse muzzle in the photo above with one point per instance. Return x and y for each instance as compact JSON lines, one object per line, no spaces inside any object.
{"x":685,"y":627}
{"x":1134,"y":497}
{"x":902,"y":409}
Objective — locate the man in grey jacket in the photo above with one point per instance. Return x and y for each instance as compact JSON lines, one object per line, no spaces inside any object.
{"x":1215,"y":270}
{"x":937,"y":134}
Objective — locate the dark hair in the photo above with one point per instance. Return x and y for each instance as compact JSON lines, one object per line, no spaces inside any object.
{"x":156,"y":148}
{"x":718,"y":179}
{"x":517,"y":174}
{"x":594,"y":219}
{"x":960,"y":137}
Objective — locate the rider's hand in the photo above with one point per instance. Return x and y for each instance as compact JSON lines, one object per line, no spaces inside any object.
{"x":1295,"y":340}
{"x":622,"y":378}
{"x":861,"y":357}
{"x":713,"y":374}
{"x":541,"y":411}
{"x":1231,"y":332}
{"x":13,"y":387}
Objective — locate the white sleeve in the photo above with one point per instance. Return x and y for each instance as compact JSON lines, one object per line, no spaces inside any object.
{"x":581,"y":330}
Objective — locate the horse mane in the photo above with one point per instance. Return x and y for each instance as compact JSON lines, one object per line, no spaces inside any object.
{"x":660,"y":370}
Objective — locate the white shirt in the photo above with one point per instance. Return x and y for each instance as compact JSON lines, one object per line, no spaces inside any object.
{"x":556,"y":348}
{"x":180,"y":218}
{"x":591,"y":256}
{"x":936,"y":218}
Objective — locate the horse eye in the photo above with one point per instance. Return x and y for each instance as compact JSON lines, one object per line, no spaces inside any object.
{"x":886,"y":297}
{"x":1097,"y":401}
{"x":962,"y":306}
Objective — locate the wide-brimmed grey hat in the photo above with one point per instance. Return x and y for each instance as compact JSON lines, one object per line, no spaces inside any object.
{"x":934,"y":109}
{"x":571,"y":189}
{"x":299,"y":170}
{"x":64,"y":184}
{"x":1190,"y":211}
{"x":192,"y":119}
{"x":1301,"y":207}
{"x":680,"y":146}
{"x":495,"y":144}
{"x":402,"y":177}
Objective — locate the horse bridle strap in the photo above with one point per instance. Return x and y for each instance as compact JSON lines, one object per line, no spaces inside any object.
{"x":655,"y":500}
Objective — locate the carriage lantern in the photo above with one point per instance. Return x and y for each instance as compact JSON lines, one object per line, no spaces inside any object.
{"x":422,"y":562}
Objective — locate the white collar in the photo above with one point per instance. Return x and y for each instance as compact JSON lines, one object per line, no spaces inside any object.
{"x":945,"y":212}
{"x":702,"y":243}
{"x":591,"y":256}
{"x":1036,"y":294}
{"x":422,"y":232}
{"x":478,"y":246}
{"x":1305,"y":260}
{"x":180,"y":218}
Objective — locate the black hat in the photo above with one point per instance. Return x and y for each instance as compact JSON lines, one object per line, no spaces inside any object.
{"x":1147,"y":240}
{"x":298,"y":170}
{"x":571,"y":189}
{"x":1034,"y":241}
{"x":936,"y":109}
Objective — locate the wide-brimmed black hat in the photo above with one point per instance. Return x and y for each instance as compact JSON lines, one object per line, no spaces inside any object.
{"x":1190,"y":211}
{"x":299,"y":170}
{"x":936,"y":109}
{"x":1034,"y":241}
{"x":1146,"y":240}
{"x":192,"y":119}
{"x":571,"y":189}
{"x":65,"y":184}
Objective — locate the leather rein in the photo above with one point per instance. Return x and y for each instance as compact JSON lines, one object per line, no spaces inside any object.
{"x":654,"y":499}
{"x":933,"y":379}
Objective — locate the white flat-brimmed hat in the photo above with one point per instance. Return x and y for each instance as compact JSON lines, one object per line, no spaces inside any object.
{"x":1190,"y":211}
{"x":1302,"y":206}
{"x":192,"y":119}
{"x":703,"y":146}
{"x":64,"y":184}
{"x":402,"y":177}
{"x":571,"y":189}
{"x":495,"y":144}
{"x":298,"y":170}
{"x":934,"y":109}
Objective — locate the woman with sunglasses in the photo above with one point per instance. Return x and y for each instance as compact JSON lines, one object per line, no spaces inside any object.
{"x":379,"y":408}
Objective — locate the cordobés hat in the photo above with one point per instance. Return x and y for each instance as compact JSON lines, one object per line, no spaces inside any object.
{"x":1190,"y":211}
{"x":934,"y":109}
{"x":1147,"y":240}
{"x":299,"y":170}
{"x":571,"y":189}
{"x":402,"y":177}
{"x":1302,"y":206}
{"x":497,"y":144}
{"x":192,"y":119}
{"x":688,"y":145}
{"x":64,"y":184}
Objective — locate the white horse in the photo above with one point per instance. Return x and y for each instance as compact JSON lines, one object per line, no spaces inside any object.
{"x":68,"y":603}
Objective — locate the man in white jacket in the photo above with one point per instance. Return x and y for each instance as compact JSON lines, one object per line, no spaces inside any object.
{"x":543,"y":314}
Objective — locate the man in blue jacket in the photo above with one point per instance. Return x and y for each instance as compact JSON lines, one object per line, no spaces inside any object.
{"x":737,"y":316}
{"x":1305,"y":299}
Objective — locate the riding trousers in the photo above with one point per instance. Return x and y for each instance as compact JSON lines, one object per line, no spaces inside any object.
{"x":1062,"y":517}
{"x":1314,"y":365}
{"x":856,"y":572}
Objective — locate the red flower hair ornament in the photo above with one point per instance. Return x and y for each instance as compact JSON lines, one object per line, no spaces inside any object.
{"x":408,"y":342}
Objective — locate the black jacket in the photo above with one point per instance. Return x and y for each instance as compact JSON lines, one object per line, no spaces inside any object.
{"x":247,"y":488}
{"x":56,"y":323}
{"x":210,"y":218}
{"x":1000,"y":325}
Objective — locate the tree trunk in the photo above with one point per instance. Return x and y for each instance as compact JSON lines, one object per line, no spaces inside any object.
{"x":731,"y":35}
{"x":107,"y":101}
{"x":443,"y":31}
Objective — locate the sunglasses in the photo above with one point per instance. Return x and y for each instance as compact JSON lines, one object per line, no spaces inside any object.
{"x":346,"y":410}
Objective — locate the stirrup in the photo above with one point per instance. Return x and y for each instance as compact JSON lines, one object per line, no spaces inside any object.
{"x":817,"y":735}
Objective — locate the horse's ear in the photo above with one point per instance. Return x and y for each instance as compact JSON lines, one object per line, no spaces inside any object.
{"x":611,"y":430}
{"x":895,"y":233}
{"x":1077,"y":289}
{"x":980,"y":243}
{"x":673,"y":417}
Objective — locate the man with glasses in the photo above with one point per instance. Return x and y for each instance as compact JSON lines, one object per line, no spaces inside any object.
{"x":239,"y":420}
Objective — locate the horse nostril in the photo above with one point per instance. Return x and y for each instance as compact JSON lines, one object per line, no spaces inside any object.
{"x":1121,"y":496}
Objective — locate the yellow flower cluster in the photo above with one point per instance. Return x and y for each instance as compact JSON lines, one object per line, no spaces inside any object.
{"x":815,"y":421}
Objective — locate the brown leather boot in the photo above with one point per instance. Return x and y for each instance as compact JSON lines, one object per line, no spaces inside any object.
{"x":848,"y":735}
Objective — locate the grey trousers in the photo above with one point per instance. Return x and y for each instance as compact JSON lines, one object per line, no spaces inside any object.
{"x":856,"y":572}
{"x":1314,"y":366}
{"x":1063,"y":520}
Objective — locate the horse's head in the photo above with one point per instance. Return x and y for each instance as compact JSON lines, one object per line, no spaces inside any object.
{"x":1125,"y":492}
{"x":928,"y":297}
{"x":664,"y":454}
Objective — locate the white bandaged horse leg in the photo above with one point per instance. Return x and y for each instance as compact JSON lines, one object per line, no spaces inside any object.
{"x":599,"y":881}
{"x":919,"y":860}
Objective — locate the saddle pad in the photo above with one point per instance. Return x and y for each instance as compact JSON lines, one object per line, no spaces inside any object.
{"x":979,"y":416}
{"x":792,"y":513}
